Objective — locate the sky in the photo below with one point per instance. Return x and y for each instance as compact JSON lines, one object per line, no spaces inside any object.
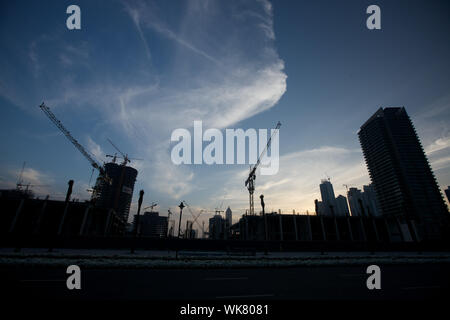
{"x":137,"y":70}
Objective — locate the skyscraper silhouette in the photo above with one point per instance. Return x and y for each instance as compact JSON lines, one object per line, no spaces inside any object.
{"x":229,"y":217}
{"x":355,"y":198}
{"x":402,"y":177}
{"x":342,"y":206}
{"x":328,"y":198}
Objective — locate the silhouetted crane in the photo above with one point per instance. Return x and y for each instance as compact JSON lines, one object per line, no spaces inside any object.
{"x":125,"y":157}
{"x":87,"y":155}
{"x":154,"y":204}
{"x":250,"y":182}
{"x":195,"y":216}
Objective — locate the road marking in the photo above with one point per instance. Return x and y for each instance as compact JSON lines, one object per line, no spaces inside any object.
{"x":220,"y":279}
{"x":422,"y":287}
{"x":246,"y":296}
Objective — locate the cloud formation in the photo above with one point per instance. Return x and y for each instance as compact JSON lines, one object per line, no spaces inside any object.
{"x":225,"y":81}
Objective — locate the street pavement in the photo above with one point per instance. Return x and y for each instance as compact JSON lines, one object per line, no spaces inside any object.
{"x":398,"y":282}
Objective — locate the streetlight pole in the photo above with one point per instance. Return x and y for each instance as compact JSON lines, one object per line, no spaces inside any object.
{"x":265,"y":223}
{"x":181,"y":206}
{"x":141,"y":196}
{"x":264,"y":216}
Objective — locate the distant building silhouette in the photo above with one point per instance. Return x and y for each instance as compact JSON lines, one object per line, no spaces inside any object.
{"x":119,"y":193}
{"x":342,"y":206}
{"x":355,"y":198}
{"x":401,"y":175}
{"x":318,"y":207}
{"x":328,"y":198}
{"x":228,"y":218}
{"x":363,"y":203}
{"x":151,"y":225}
{"x":217,"y":227}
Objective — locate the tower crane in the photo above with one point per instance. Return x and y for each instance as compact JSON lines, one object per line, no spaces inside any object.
{"x":125,"y":157}
{"x":250,"y":182}
{"x":218,"y":210}
{"x":60,"y":126}
{"x":195,"y":216}
{"x":115,"y":156}
{"x":154,"y":204}
{"x":21,"y":186}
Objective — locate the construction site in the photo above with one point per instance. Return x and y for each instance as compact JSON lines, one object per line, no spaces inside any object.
{"x":102,"y":221}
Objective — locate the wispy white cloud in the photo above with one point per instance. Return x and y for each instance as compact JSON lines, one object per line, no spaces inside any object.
{"x":34,"y":52}
{"x":231,"y":89}
{"x":437,"y":108}
{"x":135,"y":16}
{"x":223,"y":70}
{"x":142,"y":14}
{"x":96,"y":150}
{"x":433,"y":127}
{"x":440,"y":163}
{"x":438,"y":145}
{"x":71,"y":55}
{"x":34,"y":58}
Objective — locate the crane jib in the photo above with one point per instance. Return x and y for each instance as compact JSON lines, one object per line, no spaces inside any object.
{"x":80,"y":148}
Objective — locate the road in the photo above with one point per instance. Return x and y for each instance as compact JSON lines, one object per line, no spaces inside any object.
{"x":398,"y":282}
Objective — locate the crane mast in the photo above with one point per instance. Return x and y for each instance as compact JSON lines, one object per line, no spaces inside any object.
{"x":77,"y":145}
{"x":250,"y":182}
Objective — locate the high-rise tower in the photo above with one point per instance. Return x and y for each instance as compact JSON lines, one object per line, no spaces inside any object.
{"x":400,"y":172}
{"x":229,"y":217}
{"x":328,"y":198}
{"x":118,"y":194}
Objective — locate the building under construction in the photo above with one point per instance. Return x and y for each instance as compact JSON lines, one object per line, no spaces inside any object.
{"x":115,"y":183}
{"x":118,"y":193}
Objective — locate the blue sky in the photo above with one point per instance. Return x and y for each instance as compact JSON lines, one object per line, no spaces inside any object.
{"x":137,"y":70}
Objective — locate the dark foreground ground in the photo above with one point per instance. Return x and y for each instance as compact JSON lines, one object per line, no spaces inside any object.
{"x":398,"y":282}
